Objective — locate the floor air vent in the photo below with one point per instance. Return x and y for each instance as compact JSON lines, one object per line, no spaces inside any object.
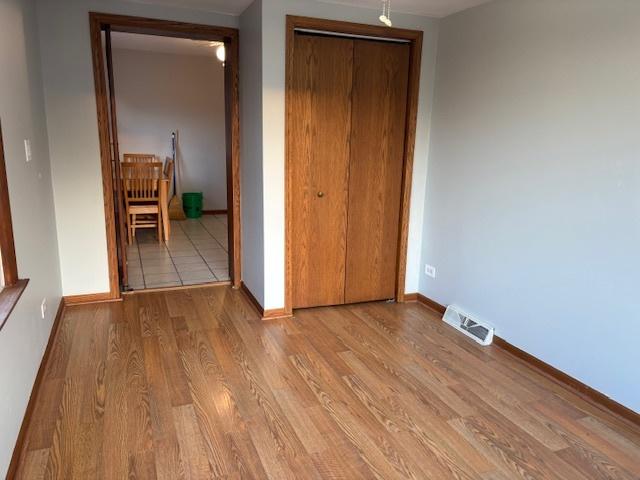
{"x":481,"y":333}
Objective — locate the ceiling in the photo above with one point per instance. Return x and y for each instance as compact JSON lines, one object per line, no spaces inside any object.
{"x":230,"y":7}
{"x":154,"y":43}
{"x":430,"y":8}
{"x":427,"y":8}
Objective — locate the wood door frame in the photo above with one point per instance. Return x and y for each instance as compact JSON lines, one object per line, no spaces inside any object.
{"x":169,"y":28}
{"x":414,"y":37}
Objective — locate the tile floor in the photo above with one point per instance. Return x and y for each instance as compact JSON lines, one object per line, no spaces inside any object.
{"x":196,"y":253}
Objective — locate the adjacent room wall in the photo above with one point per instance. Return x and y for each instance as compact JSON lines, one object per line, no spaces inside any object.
{"x":273,"y":93}
{"x":157,"y":93}
{"x":533,"y":204}
{"x":73,"y":129}
{"x":24,"y":336}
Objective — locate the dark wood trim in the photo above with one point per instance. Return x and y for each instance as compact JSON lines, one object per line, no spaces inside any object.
{"x":223,"y":283}
{"x":232,"y":142}
{"x":415,"y":40}
{"x":272,"y":314}
{"x":410,"y":298}
{"x":427,"y":302}
{"x":214,"y":212}
{"x":338,"y":26}
{"x":276,"y":314}
{"x":7,"y":246}
{"x":149,"y":26}
{"x":18,"y":450}
{"x":9,"y":297}
{"x":165,"y":28}
{"x":99,"y":76}
{"x":90,"y":298}
{"x":121,"y":228}
{"x":594,"y":397}
{"x":409,"y":149}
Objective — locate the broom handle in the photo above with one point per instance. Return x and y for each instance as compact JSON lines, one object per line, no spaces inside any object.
{"x":175,"y":167}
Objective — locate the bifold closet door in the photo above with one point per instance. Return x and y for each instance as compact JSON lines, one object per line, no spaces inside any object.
{"x":379,"y":106}
{"x":320,"y":96}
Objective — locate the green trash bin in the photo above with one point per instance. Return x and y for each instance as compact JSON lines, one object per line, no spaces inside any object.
{"x":192,"y":204}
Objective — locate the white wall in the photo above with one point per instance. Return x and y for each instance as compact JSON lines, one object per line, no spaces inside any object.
{"x":533,"y":204}
{"x":73,"y":131}
{"x":24,"y":336}
{"x":273,"y":76}
{"x":253,"y":264}
{"x":157,"y":93}
{"x":74,"y":146}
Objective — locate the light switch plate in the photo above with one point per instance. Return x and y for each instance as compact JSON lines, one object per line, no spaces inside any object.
{"x":430,"y":271}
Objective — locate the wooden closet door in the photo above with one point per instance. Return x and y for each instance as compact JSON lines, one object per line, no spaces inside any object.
{"x":380,"y":82}
{"x":320,"y":113}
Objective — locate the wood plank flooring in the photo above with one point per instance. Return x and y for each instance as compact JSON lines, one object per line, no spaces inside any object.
{"x":192,"y":384}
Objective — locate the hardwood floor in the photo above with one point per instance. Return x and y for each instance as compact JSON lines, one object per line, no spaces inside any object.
{"x":192,"y":384}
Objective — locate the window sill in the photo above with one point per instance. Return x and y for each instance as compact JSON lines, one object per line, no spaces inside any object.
{"x":9,"y":296}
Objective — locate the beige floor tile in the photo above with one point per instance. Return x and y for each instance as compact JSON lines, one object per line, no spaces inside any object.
{"x":161,"y":278}
{"x":149,"y":262}
{"x":221,"y":273}
{"x":193,"y":267}
{"x":200,"y":276}
{"x":176,"y":283}
{"x":218,"y":264}
{"x":156,"y":255}
{"x":133,"y":270}
{"x":155,"y":269}
{"x":215,"y":255}
{"x":195,"y":259}
{"x":184,"y":253}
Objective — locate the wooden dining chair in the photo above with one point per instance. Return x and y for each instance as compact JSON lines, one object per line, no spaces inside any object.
{"x":141,"y":188}
{"x":169,"y":167}
{"x":139,"y":157}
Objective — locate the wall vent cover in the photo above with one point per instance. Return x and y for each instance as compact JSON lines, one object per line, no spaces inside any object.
{"x":471,"y":327}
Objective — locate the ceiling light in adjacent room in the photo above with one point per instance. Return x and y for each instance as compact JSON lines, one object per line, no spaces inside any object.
{"x":221,"y":53}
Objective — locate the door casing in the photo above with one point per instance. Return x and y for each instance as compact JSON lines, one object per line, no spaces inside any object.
{"x":414,"y":37}
{"x":169,"y":28}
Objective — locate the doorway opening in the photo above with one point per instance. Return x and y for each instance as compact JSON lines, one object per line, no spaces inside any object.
{"x":167,"y":98}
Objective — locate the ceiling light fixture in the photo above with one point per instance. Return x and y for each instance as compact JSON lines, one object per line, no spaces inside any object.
{"x":386,"y":13}
{"x":221,"y":53}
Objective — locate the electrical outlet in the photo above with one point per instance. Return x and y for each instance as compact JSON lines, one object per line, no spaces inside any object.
{"x":43,"y":307}
{"x":430,"y":271}
{"x":27,"y":149}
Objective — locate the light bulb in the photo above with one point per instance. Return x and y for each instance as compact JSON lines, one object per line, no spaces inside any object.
{"x":221,"y":53}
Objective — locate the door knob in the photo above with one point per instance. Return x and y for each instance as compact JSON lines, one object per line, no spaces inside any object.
{"x":320,"y":194}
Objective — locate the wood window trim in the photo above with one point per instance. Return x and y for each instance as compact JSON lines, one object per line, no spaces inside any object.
{"x":415,"y":38}
{"x":12,"y":288}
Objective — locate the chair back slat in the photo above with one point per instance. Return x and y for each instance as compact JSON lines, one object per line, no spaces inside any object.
{"x":139,"y":157}
{"x":168,"y":172}
{"x":141,"y":181}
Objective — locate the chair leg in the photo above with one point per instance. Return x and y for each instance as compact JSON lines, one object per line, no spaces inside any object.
{"x":159,"y":228}
{"x":129,"y":230}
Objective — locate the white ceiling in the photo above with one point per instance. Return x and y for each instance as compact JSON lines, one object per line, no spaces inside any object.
{"x":430,"y":8}
{"x":154,"y":43}
{"x":230,"y":7}
{"x":427,"y":8}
